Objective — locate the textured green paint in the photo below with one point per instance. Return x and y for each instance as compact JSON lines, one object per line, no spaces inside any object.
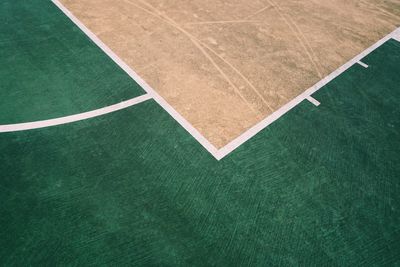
{"x":319,"y":187}
{"x":49,"y":68}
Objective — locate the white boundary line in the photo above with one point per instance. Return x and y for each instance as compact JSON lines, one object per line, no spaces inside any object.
{"x":73,"y":118}
{"x":397,"y":37}
{"x":161,"y":101}
{"x":284,"y":109}
{"x":314,"y":101}
{"x":224,"y":151}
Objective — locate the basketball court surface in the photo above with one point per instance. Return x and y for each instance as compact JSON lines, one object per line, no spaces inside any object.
{"x":199,"y":133}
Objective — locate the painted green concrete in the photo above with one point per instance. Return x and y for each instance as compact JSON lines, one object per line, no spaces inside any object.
{"x":319,"y":187}
{"x":50,"y":69}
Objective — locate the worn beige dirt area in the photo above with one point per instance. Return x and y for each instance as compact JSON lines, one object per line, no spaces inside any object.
{"x":226,"y":64}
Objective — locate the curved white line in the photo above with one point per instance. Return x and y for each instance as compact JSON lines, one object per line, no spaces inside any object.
{"x":73,"y":118}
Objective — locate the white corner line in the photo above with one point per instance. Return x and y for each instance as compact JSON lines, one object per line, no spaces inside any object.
{"x":224,"y":151}
{"x":362,"y":64}
{"x":73,"y":118}
{"x":160,"y":100}
{"x":313,"y":101}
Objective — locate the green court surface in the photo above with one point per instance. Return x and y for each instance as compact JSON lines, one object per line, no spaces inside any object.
{"x":50,"y":69}
{"x":319,"y":187}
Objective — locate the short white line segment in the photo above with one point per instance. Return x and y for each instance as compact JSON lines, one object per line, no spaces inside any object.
{"x":73,"y":118}
{"x":224,"y":151}
{"x":362,"y":64}
{"x":313,"y":101}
